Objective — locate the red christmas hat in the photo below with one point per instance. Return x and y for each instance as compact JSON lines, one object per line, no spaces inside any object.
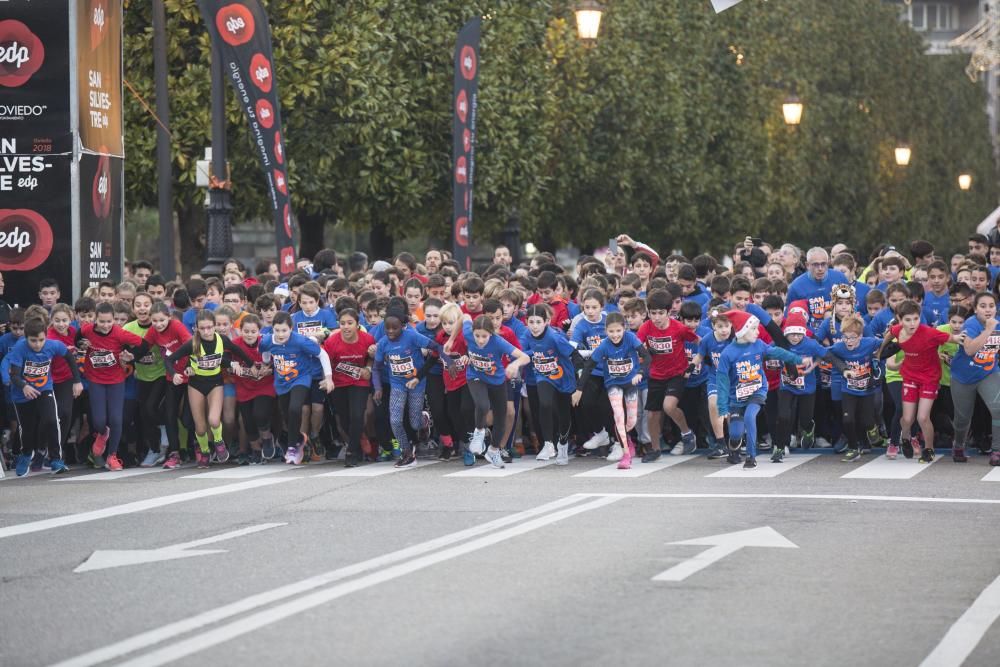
{"x":743,"y":323}
{"x":795,"y":323}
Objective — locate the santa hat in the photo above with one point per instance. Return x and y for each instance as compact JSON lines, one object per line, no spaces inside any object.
{"x":795,"y":323}
{"x":743,"y":323}
{"x":800,"y":307}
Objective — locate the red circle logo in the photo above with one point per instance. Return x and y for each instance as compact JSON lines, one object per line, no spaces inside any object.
{"x":265,"y":113}
{"x":99,"y":17}
{"x":461,"y":171}
{"x":462,"y":106}
{"x":21,"y":53}
{"x":260,"y":72}
{"x":235,"y":24}
{"x":287,"y":260}
{"x":279,"y":181}
{"x":25,"y":239}
{"x":462,"y":232}
{"x":467,"y":62}
{"x":288,"y":221}
{"x":102,"y":190}
{"x":279,"y":153}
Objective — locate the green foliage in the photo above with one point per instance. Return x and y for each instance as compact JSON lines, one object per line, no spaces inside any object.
{"x":668,"y":127}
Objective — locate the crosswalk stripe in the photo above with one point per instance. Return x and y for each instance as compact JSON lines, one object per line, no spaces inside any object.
{"x":374,"y":470}
{"x":765,"y":468}
{"x":638,"y":468}
{"x":114,"y":475}
{"x":992,"y":476}
{"x":882,"y":468}
{"x":522,"y":465}
{"x":11,"y":474}
{"x":243,"y":472}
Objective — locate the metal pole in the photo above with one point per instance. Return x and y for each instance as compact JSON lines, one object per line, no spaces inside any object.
{"x":219,"y":237}
{"x":164,"y":169}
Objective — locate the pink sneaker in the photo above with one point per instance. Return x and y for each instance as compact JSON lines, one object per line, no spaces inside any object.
{"x":626,"y":461}
{"x":173,"y":461}
{"x":892,"y":451}
{"x":915,"y":443}
{"x":631,"y":448}
{"x":201,"y":459}
{"x":100,"y":442}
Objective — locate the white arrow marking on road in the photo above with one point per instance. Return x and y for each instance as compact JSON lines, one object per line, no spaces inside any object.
{"x":722,"y":546}
{"x":101,"y":560}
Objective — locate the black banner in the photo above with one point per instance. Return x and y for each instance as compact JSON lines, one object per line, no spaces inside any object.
{"x":34,"y":77}
{"x":101,"y":182}
{"x":464,"y":104}
{"x":241,"y":32}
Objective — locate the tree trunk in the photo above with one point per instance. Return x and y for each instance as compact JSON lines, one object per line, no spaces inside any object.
{"x":311,"y":237}
{"x":380,"y":240}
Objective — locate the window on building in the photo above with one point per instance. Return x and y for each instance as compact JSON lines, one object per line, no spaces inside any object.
{"x":931,"y":16}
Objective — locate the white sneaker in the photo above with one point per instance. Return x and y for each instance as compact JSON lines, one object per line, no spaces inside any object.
{"x":152,"y":459}
{"x":822,"y":442}
{"x":164,"y":441}
{"x":794,"y":442}
{"x":548,"y":451}
{"x":678,"y":449}
{"x":342,"y":454}
{"x":477,"y":445}
{"x":616,"y":453}
{"x":493,"y":456}
{"x":599,"y":439}
{"x":562,"y":454}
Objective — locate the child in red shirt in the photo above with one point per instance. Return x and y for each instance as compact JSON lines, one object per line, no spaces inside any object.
{"x":169,"y":334}
{"x":348,"y":349}
{"x":921,"y":371}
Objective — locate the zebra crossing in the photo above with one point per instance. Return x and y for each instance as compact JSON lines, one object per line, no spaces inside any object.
{"x":874,"y":467}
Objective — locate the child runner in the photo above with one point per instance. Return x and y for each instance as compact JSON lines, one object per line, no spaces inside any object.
{"x":709,"y":351}
{"x":254,"y":392}
{"x":165,"y":335}
{"x":458,"y":400}
{"x":352,"y":371}
{"x":797,"y":395}
{"x":859,"y":386}
{"x":151,"y":377}
{"x":974,"y":372}
{"x":60,"y":329}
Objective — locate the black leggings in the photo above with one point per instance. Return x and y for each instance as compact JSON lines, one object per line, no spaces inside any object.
{"x":349,"y":403}
{"x":487,"y":397}
{"x":38,"y":425}
{"x":553,"y":403}
{"x":291,"y":409}
{"x":459,"y":405}
{"x":787,"y":423}
{"x":64,"y":409}
{"x":256,"y":414}
{"x":437,"y":403}
{"x":150,"y":415}
{"x":594,"y":412}
{"x":859,"y":417}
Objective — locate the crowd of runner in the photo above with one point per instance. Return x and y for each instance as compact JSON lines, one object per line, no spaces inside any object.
{"x":630,"y":357}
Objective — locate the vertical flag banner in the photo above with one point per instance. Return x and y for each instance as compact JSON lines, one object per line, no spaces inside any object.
{"x":241,"y":33}
{"x":464,"y":106}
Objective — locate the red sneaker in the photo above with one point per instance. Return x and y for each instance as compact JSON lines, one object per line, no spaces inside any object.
{"x":173,"y":461}
{"x":917,"y":448}
{"x":100,"y":442}
{"x":113,"y":462}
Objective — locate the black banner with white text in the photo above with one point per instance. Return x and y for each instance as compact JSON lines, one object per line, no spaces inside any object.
{"x":464,"y":106}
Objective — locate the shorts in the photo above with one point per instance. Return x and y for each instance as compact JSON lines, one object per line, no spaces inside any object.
{"x":514,"y":390}
{"x":914,"y":391}
{"x":204,"y":384}
{"x":659,"y":390}
{"x":229,"y":390}
{"x":316,"y":395}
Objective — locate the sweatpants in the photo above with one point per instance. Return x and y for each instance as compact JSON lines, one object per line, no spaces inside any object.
{"x":743,"y":419}
{"x":790,"y":405}
{"x":350,"y":402}
{"x":256,"y":415}
{"x":963,"y":397}
{"x":488,"y":397}
{"x":151,"y":413}
{"x":405,"y":405}
{"x":291,"y":404}
{"x":859,"y":417}
{"x":38,"y":425}
{"x":554,"y":413}
{"x":107,"y":406}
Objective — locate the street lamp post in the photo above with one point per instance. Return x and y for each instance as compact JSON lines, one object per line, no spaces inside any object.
{"x":588,"y":19}
{"x":792,"y":109}
{"x":965,"y":181}
{"x":219,"y":235}
{"x":903,"y":154}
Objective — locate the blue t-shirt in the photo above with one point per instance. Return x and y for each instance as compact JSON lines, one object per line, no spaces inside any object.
{"x":486,"y":363}
{"x":295,"y":362}
{"x":828,"y":375}
{"x":816,"y":294}
{"x":402,"y":358}
{"x":740,"y":377}
{"x":805,"y":383}
{"x":619,"y":363}
{"x":862,"y":361}
{"x":701,"y":374}
{"x":551,"y":358}
{"x":320,"y":321}
{"x":421,"y":328}
{"x":191,"y":314}
{"x":710,"y":349}
{"x":879,"y":324}
{"x":35,"y":367}
{"x":588,"y":336}
{"x":970,"y":370}
{"x":935,"y":310}
{"x":700,"y":296}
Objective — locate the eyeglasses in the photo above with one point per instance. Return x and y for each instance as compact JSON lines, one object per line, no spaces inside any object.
{"x":851,"y":339}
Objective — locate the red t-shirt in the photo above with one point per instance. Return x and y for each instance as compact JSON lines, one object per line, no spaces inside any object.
{"x":921,"y":363}
{"x":248,"y":387}
{"x":666,"y":347}
{"x":560,"y":313}
{"x":348,"y":359}
{"x":172,"y":338}
{"x":60,"y":369}
{"x":103,"y":357}
{"x":457,"y":381}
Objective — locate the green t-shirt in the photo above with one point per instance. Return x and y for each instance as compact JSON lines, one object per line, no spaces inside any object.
{"x":891,"y":375}
{"x":951,"y":349}
{"x":150,"y":367}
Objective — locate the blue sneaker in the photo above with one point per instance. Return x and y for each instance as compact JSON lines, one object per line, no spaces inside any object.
{"x":397,"y":451}
{"x":468,"y":458}
{"x":58,"y":466}
{"x":384,"y":455}
{"x":22,"y":465}
{"x":37,"y":461}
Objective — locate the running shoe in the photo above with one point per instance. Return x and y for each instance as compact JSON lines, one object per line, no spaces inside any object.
{"x":750,"y":463}
{"x":808,"y":439}
{"x":562,"y":454}
{"x":652,"y":454}
{"x":477,"y":443}
{"x":256,"y":457}
{"x":779,"y":455}
{"x":384,"y":455}
{"x":221,"y":451}
{"x":407,"y":461}
{"x":958,"y":455}
{"x":548,"y":452}
{"x":397,"y":451}
{"x":599,"y":439}
{"x":267,"y":448}
{"x":445,"y":453}
{"x":113,"y":463}
{"x":493,"y":456}
{"x":689,"y":442}
{"x":851,"y":455}
{"x":616,"y":454}
{"x":841,"y":446}
{"x":718,"y":452}
{"x":100,"y":442}
{"x":677,"y":449}
{"x":200,"y":459}
{"x":892,"y":451}
{"x":58,"y":467}
{"x":733,"y":457}
{"x":23,"y":465}
{"x":927,"y":456}
{"x":468,"y":458}
{"x":506,"y":456}
{"x":37,"y":461}
{"x":915,"y":446}
{"x":874,"y":437}
{"x":995,"y":458}
{"x":150,"y":459}
{"x":625,"y":462}
{"x":293,"y":455}
{"x":822,"y":443}
{"x":173,"y":461}
{"x":907,"y":447}
{"x":243,"y":459}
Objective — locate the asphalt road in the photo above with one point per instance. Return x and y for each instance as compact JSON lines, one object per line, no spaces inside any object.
{"x":539,"y":567}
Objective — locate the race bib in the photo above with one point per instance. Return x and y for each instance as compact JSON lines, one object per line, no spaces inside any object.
{"x":402,"y":367}
{"x":36,"y":373}
{"x":660,"y":345}
{"x":862,"y":378}
{"x":747,"y":390}
{"x":482,"y":363}
{"x":102,"y":359}
{"x":309,"y":328}
{"x":209,"y":362}
{"x":619,"y":367}
{"x":350,"y":370}
{"x":547,"y":366}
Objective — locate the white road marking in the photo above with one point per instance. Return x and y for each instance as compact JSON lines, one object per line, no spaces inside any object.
{"x":722,"y":546}
{"x":522,"y":465}
{"x":374,"y":470}
{"x":798,"y":496}
{"x":104,"y":559}
{"x":268,"y":617}
{"x":132,"y":508}
{"x":114,"y":475}
{"x":12,"y":475}
{"x":883,"y":468}
{"x":245,"y":472}
{"x":638,"y":468}
{"x":765,"y":468}
{"x":162,"y":633}
{"x":963,"y":637}
{"x":993,"y":475}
